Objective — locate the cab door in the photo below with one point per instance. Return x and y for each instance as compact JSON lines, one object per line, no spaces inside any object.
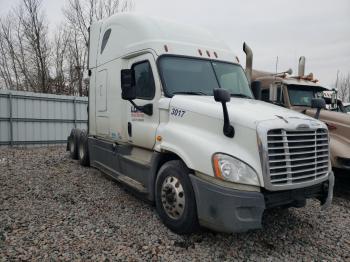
{"x":142,"y":127}
{"x":101,"y":94}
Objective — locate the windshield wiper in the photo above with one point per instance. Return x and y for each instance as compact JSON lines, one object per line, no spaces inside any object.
{"x":241,"y":95}
{"x":189,"y":93}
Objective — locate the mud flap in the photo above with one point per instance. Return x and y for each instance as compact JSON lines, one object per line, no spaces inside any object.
{"x":329,"y":199}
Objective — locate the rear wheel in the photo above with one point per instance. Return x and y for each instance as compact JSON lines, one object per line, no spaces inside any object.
{"x":73,"y":140}
{"x":175,"y":199}
{"x":83,"y":149}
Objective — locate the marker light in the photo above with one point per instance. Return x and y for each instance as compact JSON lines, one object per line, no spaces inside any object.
{"x":331,"y":126}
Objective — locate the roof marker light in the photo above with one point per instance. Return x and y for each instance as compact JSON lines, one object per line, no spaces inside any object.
{"x":200,"y":52}
{"x":208,"y":53}
{"x":237,"y":59}
{"x":215,"y":54}
{"x":166,"y":48}
{"x":331,"y":126}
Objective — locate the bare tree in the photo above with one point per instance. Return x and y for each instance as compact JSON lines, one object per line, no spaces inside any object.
{"x":31,"y":61}
{"x":343,"y":86}
{"x":59,"y":56}
{"x":7,"y":58}
{"x":78,"y":54}
{"x":24,"y":48}
{"x":36,"y":41}
{"x":79,"y":15}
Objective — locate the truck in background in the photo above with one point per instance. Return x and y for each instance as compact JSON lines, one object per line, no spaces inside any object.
{"x":296,"y":93}
{"x":172,"y":117}
{"x":347,"y":107}
{"x":332,"y":101}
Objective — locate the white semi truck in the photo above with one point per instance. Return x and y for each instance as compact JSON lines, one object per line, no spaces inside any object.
{"x":172,"y":116}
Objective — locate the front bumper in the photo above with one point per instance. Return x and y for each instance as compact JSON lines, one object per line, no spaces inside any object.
{"x":228,"y":210}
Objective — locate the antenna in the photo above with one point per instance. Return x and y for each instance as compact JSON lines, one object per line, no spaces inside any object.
{"x":276,"y":66}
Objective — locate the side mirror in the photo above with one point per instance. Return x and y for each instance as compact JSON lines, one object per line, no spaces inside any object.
{"x":256,"y":89}
{"x":223,"y":96}
{"x":127,"y":79}
{"x":318,"y":103}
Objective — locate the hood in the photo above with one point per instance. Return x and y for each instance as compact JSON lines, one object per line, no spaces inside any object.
{"x":331,"y":116}
{"x":244,"y":112}
{"x":326,"y":115}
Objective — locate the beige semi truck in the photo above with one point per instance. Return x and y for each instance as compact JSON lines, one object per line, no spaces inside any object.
{"x":296,"y":93}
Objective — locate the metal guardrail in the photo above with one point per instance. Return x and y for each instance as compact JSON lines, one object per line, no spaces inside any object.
{"x":33,"y":97}
{"x":14,"y":121}
{"x":35,"y":142}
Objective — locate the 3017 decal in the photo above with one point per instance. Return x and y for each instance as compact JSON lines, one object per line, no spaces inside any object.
{"x":177,"y":112}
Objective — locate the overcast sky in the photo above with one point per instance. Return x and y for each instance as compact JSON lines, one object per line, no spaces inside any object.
{"x":317,"y":29}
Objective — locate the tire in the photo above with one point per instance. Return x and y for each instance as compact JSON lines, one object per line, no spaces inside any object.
{"x":83,"y":149}
{"x":73,"y":140}
{"x":175,"y":199}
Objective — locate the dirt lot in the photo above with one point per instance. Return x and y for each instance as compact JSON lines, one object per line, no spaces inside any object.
{"x":53,"y":209}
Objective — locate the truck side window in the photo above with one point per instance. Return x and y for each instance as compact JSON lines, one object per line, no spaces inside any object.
{"x":105,"y":39}
{"x":145,"y":87}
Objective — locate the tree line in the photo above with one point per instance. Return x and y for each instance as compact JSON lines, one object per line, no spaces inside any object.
{"x":34,"y":59}
{"x":342,"y":85}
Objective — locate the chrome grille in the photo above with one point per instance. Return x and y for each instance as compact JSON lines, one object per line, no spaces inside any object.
{"x":297,"y":156}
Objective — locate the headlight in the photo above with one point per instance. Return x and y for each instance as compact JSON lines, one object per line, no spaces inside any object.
{"x":231,"y":169}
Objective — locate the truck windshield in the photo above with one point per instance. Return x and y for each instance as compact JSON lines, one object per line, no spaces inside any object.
{"x":301,"y":95}
{"x":182,"y":75}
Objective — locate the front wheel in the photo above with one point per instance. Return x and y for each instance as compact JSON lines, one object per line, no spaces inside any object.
{"x":175,"y":199}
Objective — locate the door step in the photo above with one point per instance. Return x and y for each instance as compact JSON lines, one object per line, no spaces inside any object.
{"x":136,"y":160}
{"x":132,"y":183}
{"x":121,"y":178}
{"x":139,"y":156}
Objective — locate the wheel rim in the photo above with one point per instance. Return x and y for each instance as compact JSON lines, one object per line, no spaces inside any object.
{"x":173,"y":197}
{"x":81,"y":151}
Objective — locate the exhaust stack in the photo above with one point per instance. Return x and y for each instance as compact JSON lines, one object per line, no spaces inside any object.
{"x":249,"y":61}
{"x":301,"y":66}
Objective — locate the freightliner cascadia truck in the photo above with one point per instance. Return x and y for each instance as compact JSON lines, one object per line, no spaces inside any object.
{"x":172,"y":117}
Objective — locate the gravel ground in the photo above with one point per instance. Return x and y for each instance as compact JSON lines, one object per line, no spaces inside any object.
{"x":53,"y":209}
